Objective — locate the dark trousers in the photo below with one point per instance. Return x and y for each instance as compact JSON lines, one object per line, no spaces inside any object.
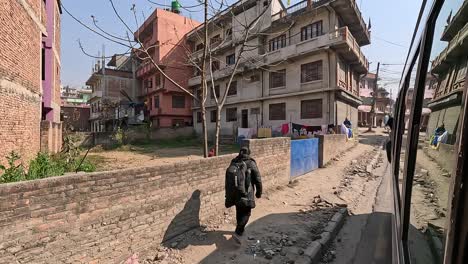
{"x":242,"y":217}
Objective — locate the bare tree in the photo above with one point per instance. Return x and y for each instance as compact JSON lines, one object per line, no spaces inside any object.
{"x":211,"y":9}
{"x":138,"y":48}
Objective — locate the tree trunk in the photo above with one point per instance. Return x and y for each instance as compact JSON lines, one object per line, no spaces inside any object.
{"x":204,"y":131}
{"x":218,"y":127}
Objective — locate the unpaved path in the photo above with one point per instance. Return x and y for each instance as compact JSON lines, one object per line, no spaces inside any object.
{"x":287,"y":219}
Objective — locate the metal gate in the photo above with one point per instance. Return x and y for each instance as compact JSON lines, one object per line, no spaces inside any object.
{"x":304,"y":156}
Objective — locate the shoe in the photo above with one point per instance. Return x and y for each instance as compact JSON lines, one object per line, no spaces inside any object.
{"x":237,"y":239}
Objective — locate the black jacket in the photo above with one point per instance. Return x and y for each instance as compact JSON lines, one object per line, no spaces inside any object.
{"x":252,"y":177}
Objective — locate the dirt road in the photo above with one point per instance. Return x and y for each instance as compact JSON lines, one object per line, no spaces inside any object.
{"x":289,"y":218}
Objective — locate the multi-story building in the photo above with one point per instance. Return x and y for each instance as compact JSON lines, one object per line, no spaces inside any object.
{"x":114,"y":99}
{"x":74,"y":97}
{"x":304,"y":67}
{"x":450,"y":70}
{"x":166,"y":104}
{"x":29,"y":77}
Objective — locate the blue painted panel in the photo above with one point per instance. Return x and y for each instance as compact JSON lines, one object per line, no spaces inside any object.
{"x":304,"y":156}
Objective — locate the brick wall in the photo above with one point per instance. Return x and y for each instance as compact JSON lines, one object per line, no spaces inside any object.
{"x":51,"y":136}
{"x":108,"y":216}
{"x":20,"y":78}
{"x":331,"y":146}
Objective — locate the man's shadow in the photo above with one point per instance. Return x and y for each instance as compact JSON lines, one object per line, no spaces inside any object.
{"x":187,"y":222}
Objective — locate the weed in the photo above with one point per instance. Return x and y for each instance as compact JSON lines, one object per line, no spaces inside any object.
{"x":13,"y":172}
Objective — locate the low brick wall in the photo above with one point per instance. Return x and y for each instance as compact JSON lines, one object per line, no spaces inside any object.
{"x":331,"y":146}
{"x":106,"y":217}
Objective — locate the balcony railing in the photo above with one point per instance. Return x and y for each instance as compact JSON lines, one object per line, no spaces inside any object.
{"x":297,"y":47}
{"x":298,"y":7}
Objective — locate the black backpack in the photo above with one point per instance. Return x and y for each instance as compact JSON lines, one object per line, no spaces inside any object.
{"x":236,"y":185}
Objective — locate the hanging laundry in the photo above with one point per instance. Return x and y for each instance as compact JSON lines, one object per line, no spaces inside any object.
{"x":313,"y":128}
{"x":297,"y":127}
{"x":245,"y":132}
{"x":285,"y":129}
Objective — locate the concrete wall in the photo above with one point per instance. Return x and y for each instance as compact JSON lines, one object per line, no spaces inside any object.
{"x":331,"y":146}
{"x":106,"y":217}
{"x":444,"y":156}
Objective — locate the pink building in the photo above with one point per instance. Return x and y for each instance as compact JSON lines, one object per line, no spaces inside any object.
{"x":166,"y":104}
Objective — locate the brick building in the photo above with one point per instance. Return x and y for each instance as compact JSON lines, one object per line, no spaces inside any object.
{"x":29,"y":77}
{"x":166,"y":104}
{"x":114,"y":95}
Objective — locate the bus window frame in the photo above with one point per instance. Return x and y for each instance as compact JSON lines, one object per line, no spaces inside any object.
{"x":422,"y":54}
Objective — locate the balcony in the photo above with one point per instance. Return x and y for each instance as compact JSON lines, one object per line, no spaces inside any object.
{"x":96,"y":94}
{"x":145,"y":69}
{"x":244,"y":65}
{"x":346,"y":9}
{"x":455,"y":49}
{"x":340,"y":40}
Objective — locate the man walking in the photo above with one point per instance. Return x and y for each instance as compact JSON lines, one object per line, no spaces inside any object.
{"x":242,"y":180}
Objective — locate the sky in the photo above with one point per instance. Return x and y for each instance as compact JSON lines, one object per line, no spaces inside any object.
{"x":392,"y":23}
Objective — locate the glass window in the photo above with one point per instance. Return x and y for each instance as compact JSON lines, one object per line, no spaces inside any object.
{"x":277,"y":43}
{"x":311,"y":31}
{"x":278,"y":78}
{"x":436,"y":116}
{"x":178,"y":101}
{"x":311,"y":71}
{"x":311,"y":109}
{"x":231,"y":59}
{"x":231,"y":114}
{"x":213,"y":116}
{"x":277,"y":111}
{"x":156,"y":102}
{"x":199,"y":117}
{"x":232,"y":89}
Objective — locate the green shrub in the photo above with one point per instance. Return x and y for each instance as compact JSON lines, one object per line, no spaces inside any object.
{"x":43,"y":166}
{"x":13,"y":172}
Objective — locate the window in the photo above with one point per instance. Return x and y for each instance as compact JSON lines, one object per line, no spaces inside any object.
{"x":156,"y":101}
{"x":215,"y":39}
{"x":199,"y":47}
{"x":149,"y":83}
{"x":178,"y":101}
{"x":278,"y":78}
{"x":231,"y":59}
{"x":215,"y":65}
{"x":216,"y":90}
{"x":178,"y":122}
{"x":311,"y":31}
{"x":277,"y":43}
{"x":199,"y":117}
{"x":157,"y":80}
{"x":277,"y":111}
{"x":43,"y":65}
{"x":311,"y":109}
{"x":232,"y":88}
{"x":213,"y":116}
{"x":311,"y":71}
{"x":231,"y":114}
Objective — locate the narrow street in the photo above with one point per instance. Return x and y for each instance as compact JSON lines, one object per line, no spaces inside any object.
{"x":289,"y":218}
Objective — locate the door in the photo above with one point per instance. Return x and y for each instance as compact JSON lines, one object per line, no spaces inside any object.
{"x":245,"y":118}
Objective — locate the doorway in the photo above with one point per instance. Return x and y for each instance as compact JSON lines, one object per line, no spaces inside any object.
{"x":245,"y":118}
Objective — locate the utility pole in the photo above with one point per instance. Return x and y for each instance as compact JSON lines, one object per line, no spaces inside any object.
{"x":374,"y":97}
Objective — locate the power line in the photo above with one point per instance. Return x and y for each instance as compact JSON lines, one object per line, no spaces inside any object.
{"x":390,"y":42}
